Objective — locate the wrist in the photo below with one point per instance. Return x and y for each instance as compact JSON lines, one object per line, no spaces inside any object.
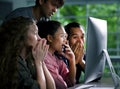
{"x":38,"y":63}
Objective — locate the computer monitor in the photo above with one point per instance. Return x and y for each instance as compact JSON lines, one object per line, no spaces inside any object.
{"x":96,"y":41}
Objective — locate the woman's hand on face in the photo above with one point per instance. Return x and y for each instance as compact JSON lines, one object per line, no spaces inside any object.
{"x":68,"y":53}
{"x":78,"y":50}
{"x":40,"y":50}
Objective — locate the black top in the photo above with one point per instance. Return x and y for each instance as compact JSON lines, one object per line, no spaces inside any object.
{"x":25,"y":77}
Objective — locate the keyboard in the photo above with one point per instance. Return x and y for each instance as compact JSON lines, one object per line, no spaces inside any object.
{"x":94,"y":86}
{"x":85,"y":86}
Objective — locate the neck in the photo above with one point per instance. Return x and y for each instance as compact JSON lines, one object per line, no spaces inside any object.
{"x":51,"y":51}
{"x":23,"y":54}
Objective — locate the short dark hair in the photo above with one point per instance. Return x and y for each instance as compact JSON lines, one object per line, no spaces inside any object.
{"x":60,"y":2}
{"x":37,"y":2}
{"x":71,"y":25}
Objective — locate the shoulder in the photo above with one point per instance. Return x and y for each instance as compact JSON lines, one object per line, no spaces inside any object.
{"x":23,"y":11}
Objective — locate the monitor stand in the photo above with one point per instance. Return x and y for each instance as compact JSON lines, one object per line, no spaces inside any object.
{"x":115,"y":77}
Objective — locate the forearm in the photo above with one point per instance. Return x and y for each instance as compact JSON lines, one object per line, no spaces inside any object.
{"x":50,"y":84}
{"x":40,"y":75}
{"x":72,"y":71}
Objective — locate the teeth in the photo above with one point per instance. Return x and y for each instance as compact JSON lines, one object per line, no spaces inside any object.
{"x":62,"y":47}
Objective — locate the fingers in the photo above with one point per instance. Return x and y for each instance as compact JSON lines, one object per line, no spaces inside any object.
{"x":40,"y":50}
{"x":42,"y":42}
{"x":78,"y":50}
{"x":43,"y":45}
{"x":77,"y":47}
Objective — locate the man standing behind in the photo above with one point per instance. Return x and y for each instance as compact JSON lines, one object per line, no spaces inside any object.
{"x":42,"y":10}
{"x":76,"y":38}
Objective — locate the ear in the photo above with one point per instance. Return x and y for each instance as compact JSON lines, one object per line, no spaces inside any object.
{"x":49,"y":38}
{"x":41,"y":2}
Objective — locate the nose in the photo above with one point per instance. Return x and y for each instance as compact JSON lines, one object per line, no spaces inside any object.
{"x":65,"y":41}
{"x":39,"y":37}
{"x":80,"y":40}
{"x":55,"y":9}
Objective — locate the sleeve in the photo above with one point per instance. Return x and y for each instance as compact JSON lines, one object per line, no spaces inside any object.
{"x":64,"y":71}
{"x":25,"y":78}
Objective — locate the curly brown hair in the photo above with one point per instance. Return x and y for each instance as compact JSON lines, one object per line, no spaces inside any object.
{"x":12,"y":38}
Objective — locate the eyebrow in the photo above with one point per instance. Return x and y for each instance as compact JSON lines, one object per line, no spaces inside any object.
{"x":76,"y":34}
{"x":72,"y":34}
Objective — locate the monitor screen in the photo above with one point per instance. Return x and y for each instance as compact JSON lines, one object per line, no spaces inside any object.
{"x":96,"y":41}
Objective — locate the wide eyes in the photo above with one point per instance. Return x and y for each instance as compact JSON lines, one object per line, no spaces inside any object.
{"x":64,"y":36}
{"x":74,"y":37}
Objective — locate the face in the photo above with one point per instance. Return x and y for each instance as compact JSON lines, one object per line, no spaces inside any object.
{"x":49,"y":8}
{"x":77,"y":35}
{"x":32,"y":35}
{"x":58,"y":40}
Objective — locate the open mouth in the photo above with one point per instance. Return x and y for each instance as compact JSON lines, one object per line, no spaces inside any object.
{"x":63,"y":48}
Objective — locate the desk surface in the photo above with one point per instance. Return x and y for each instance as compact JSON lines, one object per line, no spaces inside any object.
{"x":105,"y":83}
